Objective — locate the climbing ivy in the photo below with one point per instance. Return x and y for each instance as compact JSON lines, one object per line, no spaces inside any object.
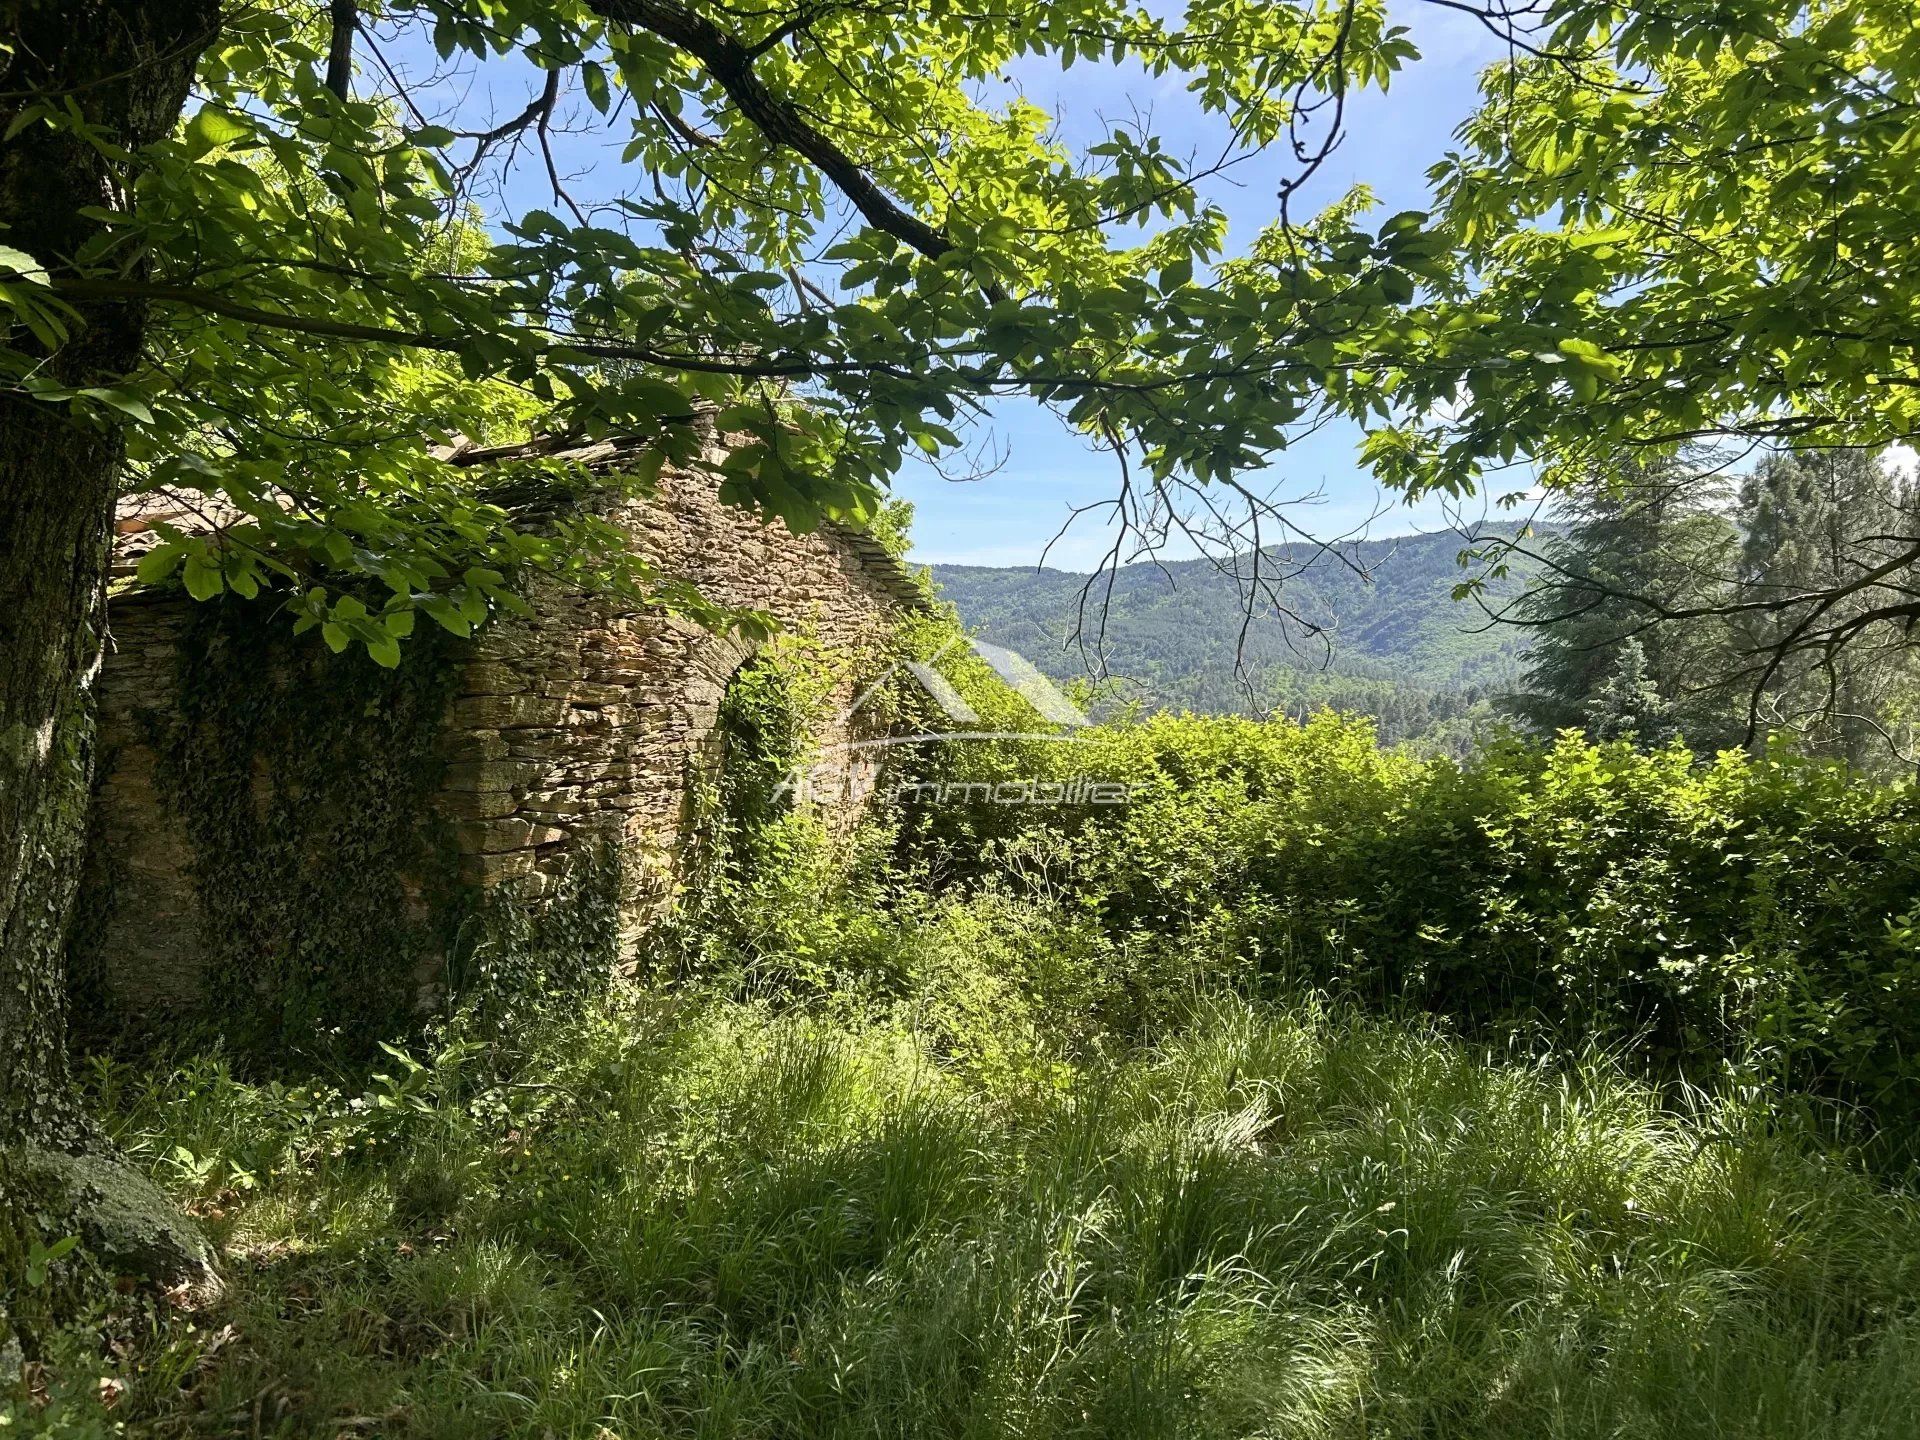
{"x":328,"y":889}
{"x":303,"y":780}
{"x":508,"y":955}
{"x":760,"y":866}
{"x":769,"y":715}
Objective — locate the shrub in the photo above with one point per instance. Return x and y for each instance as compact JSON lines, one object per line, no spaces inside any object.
{"x":1752,"y":910}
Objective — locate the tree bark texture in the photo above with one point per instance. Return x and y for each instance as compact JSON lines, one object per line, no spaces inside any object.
{"x":128,"y":66}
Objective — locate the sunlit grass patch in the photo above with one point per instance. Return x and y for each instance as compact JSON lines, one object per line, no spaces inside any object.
{"x":666,"y":1217}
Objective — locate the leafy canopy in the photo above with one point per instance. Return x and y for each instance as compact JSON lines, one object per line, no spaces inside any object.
{"x":828,"y":235}
{"x":1685,"y":222}
{"x":827,"y":241}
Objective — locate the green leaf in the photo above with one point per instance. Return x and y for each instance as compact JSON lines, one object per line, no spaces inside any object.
{"x":40,"y":1258}
{"x":1397,"y":286}
{"x":594,"y":78}
{"x":158,"y":563}
{"x":211,"y":128}
{"x":444,"y":614}
{"x":133,"y":406}
{"x":28,"y":114}
{"x":203,"y":578}
{"x":23,"y":265}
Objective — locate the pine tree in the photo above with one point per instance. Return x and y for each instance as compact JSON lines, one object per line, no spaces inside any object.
{"x":1647,"y":537}
{"x":1813,"y":521}
{"x":1628,"y":705}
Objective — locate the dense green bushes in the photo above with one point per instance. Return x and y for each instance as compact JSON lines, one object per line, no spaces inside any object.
{"x":1759,"y":914}
{"x":1758,"y":910}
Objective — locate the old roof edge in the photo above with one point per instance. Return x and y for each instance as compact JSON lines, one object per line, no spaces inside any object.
{"x":892,"y":574}
{"x":135,"y":516}
{"x":887,"y":569}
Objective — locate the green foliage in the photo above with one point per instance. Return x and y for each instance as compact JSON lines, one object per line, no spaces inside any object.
{"x":892,"y":525}
{"x":763,"y":874}
{"x":668,"y":1215}
{"x":1629,"y":706}
{"x":856,"y":246}
{"x":1655,"y":228}
{"x":303,"y":780}
{"x":1813,"y":524}
{"x":1676,"y":224}
{"x":1751,"y":911}
{"x":1756,"y":614}
{"x":1024,"y":1120}
{"x":43,"y":1282}
{"x":510,"y":959}
{"x":943,"y":842}
{"x":1643,"y":539}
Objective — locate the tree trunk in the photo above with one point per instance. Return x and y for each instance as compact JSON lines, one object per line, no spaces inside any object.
{"x":128,"y":66}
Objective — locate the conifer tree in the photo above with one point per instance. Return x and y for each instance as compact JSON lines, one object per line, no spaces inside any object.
{"x":1812,"y":522}
{"x":1645,"y":540}
{"x":1628,"y":705}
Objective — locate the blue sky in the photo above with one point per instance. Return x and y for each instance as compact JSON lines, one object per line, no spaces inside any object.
{"x":1008,"y":517}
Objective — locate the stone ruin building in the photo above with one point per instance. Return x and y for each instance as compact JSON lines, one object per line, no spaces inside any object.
{"x":580,"y":731}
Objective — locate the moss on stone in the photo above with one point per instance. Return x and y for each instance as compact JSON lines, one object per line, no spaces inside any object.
{"x":123,"y":1218}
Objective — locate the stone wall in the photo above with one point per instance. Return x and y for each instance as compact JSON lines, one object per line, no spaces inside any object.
{"x":583,"y":724}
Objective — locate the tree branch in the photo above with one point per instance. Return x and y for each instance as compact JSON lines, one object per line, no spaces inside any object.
{"x":730,"y":63}
{"x":699,"y":139}
{"x":346,"y":19}
{"x":214,"y":303}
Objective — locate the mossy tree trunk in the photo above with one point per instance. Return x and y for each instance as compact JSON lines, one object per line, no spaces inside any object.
{"x":128,"y":65}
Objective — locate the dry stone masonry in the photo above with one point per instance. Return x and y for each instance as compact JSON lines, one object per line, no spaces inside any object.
{"x":579,"y":726}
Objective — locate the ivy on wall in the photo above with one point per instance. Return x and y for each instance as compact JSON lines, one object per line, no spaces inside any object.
{"x":303,"y":779}
{"x":328,"y":888}
{"x":507,"y":956}
{"x":757,"y":859}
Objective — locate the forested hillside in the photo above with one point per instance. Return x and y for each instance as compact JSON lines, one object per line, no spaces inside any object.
{"x":1391,"y":640}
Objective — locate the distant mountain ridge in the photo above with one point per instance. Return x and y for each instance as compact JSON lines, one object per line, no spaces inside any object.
{"x":1396,"y":644}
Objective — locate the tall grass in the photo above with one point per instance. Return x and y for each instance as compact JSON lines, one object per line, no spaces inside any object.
{"x":709,"y":1218}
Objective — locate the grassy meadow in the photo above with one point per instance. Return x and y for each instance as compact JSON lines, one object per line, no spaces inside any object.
{"x":1278,"y":1218}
